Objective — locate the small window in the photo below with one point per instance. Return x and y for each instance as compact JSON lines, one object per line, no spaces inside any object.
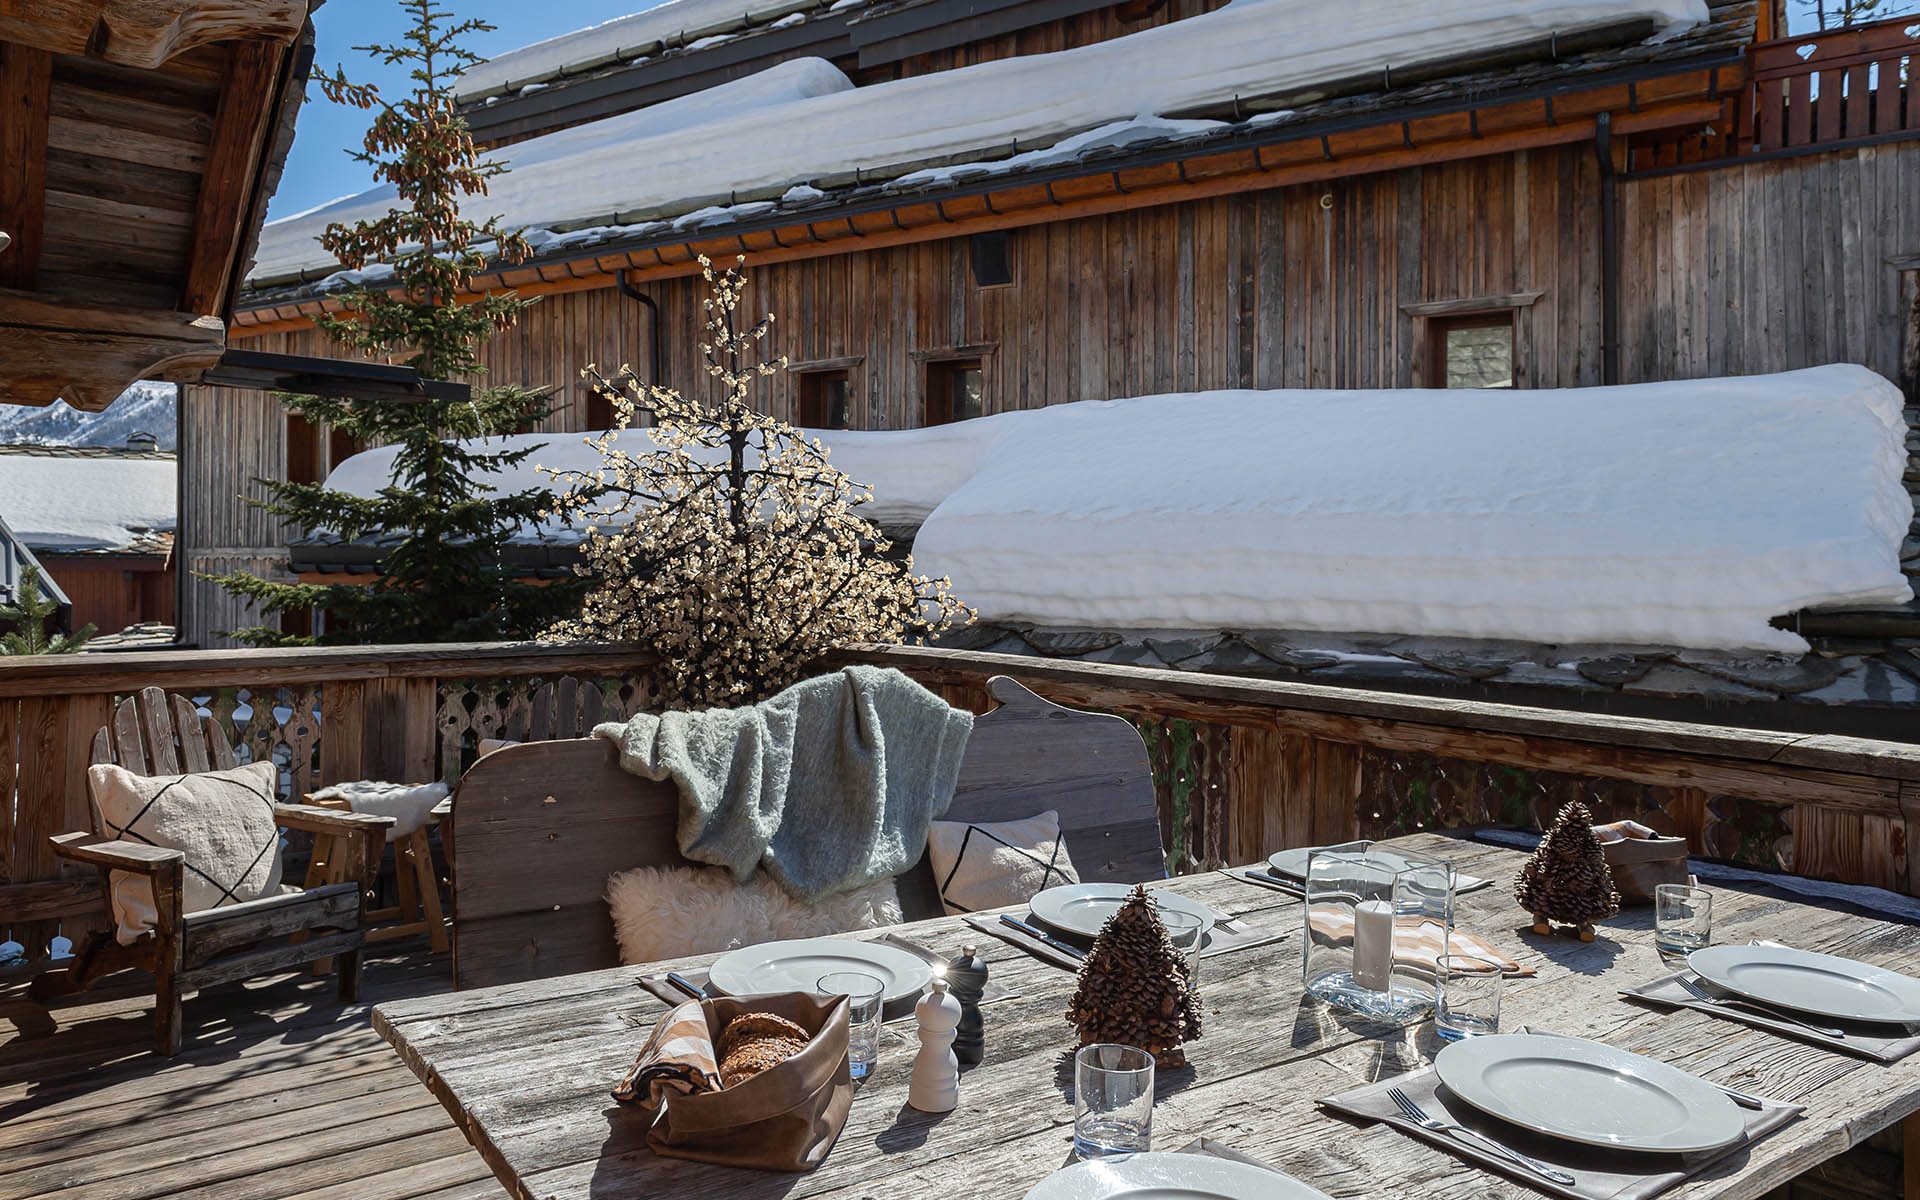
{"x":826,"y":400}
{"x":1473,"y":351}
{"x":955,"y":388}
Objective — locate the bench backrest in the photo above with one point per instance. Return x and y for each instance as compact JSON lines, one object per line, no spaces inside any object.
{"x":540,"y":827}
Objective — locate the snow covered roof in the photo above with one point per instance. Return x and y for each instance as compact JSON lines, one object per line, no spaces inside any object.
{"x":777,"y":139}
{"x":1672,"y":514}
{"x":79,"y":498}
{"x":675,"y":23}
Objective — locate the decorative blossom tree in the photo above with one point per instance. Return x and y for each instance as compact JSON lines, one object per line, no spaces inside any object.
{"x":725,"y":541}
{"x":441,"y":526}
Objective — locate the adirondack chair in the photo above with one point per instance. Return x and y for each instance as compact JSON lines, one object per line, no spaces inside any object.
{"x":158,"y":734}
{"x":542,"y":826}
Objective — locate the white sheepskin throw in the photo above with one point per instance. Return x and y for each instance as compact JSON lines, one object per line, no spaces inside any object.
{"x":409,"y":804}
{"x":222,"y":821}
{"x":672,"y":912}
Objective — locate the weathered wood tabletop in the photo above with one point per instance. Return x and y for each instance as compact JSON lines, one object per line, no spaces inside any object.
{"x":526,"y":1068}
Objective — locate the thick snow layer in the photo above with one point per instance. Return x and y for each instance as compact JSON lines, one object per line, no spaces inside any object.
{"x":543,"y":185}
{"x":629,"y":169}
{"x":1672,"y":514}
{"x":620,"y":38}
{"x":57,"y":503}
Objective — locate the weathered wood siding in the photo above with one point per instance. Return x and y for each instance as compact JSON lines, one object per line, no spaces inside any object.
{"x":1083,"y":29}
{"x":1744,"y":269}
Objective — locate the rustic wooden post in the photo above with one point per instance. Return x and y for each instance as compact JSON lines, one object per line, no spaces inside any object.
{"x":1336,"y":786}
{"x":169,"y":955}
{"x":40,"y":806}
{"x":342,"y":731}
{"x":399,"y":731}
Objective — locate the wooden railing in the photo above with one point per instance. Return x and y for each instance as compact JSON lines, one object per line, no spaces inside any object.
{"x":1843,"y":85}
{"x":1243,"y":767}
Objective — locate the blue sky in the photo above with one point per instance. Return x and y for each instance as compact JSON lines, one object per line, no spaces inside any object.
{"x":318,"y":169}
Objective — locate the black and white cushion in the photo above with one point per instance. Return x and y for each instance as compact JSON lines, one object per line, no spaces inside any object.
{"x":221,"y":821}
{"x":982,"y":866}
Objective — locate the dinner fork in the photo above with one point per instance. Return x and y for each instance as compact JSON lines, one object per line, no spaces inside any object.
{"x":1701,"y":994}
{"x":1419,"y":1116}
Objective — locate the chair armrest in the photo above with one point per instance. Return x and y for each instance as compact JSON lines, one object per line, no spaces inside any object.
{"x":309,"y":819}
{"x":121,"y":856}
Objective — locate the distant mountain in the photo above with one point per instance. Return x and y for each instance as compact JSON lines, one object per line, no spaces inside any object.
{"x":143,"y":408}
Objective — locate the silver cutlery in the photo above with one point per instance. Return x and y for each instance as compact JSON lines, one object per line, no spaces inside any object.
{"x":686,"y":985}
{"x":1278,"y":881}
{"x":1419,"y":1116}
{"x":1047,"y":939}
{"x":1693,"y":988}
{"x":1743,"y":1099}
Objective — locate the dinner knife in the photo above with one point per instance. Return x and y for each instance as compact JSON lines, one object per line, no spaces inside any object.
{"x":1047,"y":939}
{"x":686,"y":985}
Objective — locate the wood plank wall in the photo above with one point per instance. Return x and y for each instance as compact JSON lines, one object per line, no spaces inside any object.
{"x":1738,"y":270}
{"x":1082,"y":30}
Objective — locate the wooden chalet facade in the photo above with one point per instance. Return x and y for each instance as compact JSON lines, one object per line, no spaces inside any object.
{"x":1555,"y":215}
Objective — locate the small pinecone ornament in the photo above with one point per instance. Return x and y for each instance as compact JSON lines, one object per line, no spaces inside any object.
{"x":1567,"y":880}
{"x":1134,"y":987}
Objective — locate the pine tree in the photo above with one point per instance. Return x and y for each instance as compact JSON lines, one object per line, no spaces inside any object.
{"x":441,"y":526}
{"x":1567,"y":879}
{"x":28,"y":615}
{"x":724,"y":540}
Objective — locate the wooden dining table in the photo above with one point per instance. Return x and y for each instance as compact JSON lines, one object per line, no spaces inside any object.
{"x":526,"y":1068}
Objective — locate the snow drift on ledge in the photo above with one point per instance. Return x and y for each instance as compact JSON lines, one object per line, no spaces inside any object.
{"x":760,"y":135}
{"x":1666,"y":514}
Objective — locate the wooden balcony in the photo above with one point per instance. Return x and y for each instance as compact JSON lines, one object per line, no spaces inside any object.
{"x":279,"y":1093}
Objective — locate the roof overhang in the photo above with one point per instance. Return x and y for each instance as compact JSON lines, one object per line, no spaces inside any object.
{"x":141,"y":139}
{"x":1350,"y":135}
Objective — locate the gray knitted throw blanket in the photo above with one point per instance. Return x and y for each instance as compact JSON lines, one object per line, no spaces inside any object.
{"x":829,"y":785}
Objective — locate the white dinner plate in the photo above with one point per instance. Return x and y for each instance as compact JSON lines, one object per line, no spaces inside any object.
{"x":797,"y":966}
{"x":1084,"y":908}
{"x":1170,"y":1177}
{"x":1292,"y":864}
{"x":1809,"y":982}
{"x":1591,"y":1093}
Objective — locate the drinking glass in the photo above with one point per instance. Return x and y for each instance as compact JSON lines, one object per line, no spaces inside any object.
{"x":866,"y":996}
{"x":1466,"y":996}
{"x":1112,"y":1100}
{"x":1187,"y":932}
{"x":1682,"y":921}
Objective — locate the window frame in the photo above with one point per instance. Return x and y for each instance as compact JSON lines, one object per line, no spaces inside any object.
{"x":938,"y":381}
{"x":1438,"y":328}
{"x":809,"y":396}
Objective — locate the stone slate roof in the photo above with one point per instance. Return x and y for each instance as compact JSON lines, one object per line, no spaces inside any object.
{"x":1865,"y":686}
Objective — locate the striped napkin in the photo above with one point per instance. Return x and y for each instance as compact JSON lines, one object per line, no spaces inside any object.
{"x":1418,"y":942}
{"x":677,"y":1060}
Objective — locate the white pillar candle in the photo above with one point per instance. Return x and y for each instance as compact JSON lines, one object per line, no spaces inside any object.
{"x":1373,"y":944}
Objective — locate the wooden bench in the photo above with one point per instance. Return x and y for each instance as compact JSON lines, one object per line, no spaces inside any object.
{"x":542,"y":825}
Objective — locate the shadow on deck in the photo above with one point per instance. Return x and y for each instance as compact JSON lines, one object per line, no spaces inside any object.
{"x":280,"y":1092}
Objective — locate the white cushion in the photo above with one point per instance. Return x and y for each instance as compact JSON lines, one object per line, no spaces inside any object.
{"x":409,"y":804}
{"x":222,"y":821}
{"x":672,"y":912}
{"x":982,"y":866}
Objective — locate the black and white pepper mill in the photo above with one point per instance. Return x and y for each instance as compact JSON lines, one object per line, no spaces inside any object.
{"x":967,"y":979}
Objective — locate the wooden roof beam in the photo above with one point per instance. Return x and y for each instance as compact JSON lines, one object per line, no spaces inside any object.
{"x":50,"y":350}
{"x":26,"y":89}
{"x":146,"y":33}
{"x":238,"y":140}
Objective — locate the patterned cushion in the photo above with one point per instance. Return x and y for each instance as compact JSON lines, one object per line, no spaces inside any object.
{"x":222,"y":821}
{"x":978,"y":867}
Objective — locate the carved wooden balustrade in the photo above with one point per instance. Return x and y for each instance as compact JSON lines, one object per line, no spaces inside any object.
{"x":1243,"y":767}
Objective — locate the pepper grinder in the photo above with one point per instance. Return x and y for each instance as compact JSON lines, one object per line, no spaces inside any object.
{"x":967,"y":978}
{"x":935,"y":1084}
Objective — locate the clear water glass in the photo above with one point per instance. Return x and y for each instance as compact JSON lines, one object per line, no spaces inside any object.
{"x":866,"y":996}
{"x":1188,"y":933}
{"x":1112,"y":1100}
{"x":1682,"y":921}
{"x":1466,"y":996}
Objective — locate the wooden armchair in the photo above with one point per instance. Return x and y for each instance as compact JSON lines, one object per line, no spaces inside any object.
{"x":158,"y":734}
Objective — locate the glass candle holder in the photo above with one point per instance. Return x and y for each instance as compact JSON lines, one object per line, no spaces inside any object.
{"x":1361,"y":906}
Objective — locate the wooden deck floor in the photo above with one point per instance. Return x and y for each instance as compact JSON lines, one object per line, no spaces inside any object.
{"x":280,"y":1093}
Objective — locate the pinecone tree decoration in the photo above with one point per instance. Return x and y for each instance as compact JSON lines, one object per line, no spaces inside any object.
{"x":1134,"y":988}
{"x":1567,"y":880}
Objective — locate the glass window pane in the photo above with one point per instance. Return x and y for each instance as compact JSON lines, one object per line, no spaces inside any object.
{"x":967,"y":390}
{"x":1480,"y":356}
{"x":835,"y":391}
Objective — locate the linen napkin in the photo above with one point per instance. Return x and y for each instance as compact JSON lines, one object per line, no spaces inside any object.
{"x":1867,"y":1039}
{"x":1230,"y":935}
{"x":1418,"y":942}
{"x":1598,"y":1173}
{"x":677,"y":1060}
